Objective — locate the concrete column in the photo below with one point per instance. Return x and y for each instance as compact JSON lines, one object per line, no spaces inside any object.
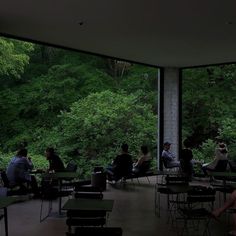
{"x":171,"y":108}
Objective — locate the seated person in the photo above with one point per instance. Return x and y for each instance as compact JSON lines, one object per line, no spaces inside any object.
{"x":121,"y":166}
{"x":186,"y":159}
{"x":55,"y":163}
{"x":144,"y":157}
{"x":221,"y":153}
{"x":168,"y":157}
{"x":18,"y":171}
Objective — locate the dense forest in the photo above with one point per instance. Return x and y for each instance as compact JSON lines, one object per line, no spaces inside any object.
{"x":86,"y":106}
{"x":83,"y":105}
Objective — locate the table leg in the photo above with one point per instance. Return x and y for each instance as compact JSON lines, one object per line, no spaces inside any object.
{"x":224,"y":183}
{"x":59,"y":206}
{"x":6,"y":221}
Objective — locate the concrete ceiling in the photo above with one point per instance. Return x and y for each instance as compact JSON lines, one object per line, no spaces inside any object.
{"x":169,"y":33}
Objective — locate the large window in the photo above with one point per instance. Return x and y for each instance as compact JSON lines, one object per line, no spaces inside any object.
{"x":83,"y":105}
{"x":209,"y":109}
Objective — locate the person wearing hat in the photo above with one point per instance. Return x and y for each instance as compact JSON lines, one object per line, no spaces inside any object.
{"x":168,"y":157}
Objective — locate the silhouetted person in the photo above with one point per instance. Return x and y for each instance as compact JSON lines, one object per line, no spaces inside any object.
{"x":55,"y":163}
{"x":121,"y":166}
{"x":186,"y":158}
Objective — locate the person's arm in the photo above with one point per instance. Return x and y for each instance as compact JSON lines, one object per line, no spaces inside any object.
{"x":28,"y":163}
{"x":140,"y":161}
{"x":168,"y":156}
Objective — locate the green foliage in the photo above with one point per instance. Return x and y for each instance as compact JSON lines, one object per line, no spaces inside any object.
{"x":208,"y":101}
{"x":39,"y":161}
{"x":227,"y":132}
{"x":205,"y":152}
{"x":13,"y":57}
{"x":98,"y":124}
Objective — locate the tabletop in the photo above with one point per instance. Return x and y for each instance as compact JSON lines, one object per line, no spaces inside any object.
{"x":89,"y":204}
{"x":6,"y":201}
{"x":61,"y":175}
{"x":164,"y":172}
{"x":222,"y":174}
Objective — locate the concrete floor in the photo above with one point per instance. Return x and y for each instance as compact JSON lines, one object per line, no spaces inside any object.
{"x":133,"y":211}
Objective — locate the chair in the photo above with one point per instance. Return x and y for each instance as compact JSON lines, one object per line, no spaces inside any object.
{"x":144,"y":171}
{"x":174,"y":187}
{"x":90,"y":195}
{"x":195,"y":210}
{"x":221,"y":166}
{"x":85,"y":218}
{"x":71,"y":166}
{"x":49,"y":192}
{"x":18,"y":189}
{"x":97,"y":231}
{"x":232,"y":165}
{"x":166,"y":167}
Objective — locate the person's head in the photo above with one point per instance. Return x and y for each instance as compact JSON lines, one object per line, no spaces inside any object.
{"x":222,"y":145}
{"x":49,"y":152}
{"x":22,"y":152}
{"x":223,"y":148}
{"x":187,"y":143}
{"x":144,"y":150}
{"x":124,"y":147}
{"x":166,"y":146}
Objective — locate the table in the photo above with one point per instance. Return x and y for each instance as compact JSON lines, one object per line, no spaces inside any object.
{"x":225,"y":176}
{"x":81,"y":205}
{"x":89,"y":204}
{"x":169,"y":189}
{"x":4,"y":203}
{"x":60,"y":176}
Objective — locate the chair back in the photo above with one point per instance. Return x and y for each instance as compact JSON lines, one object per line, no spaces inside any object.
{"x":98,"y":169}
{"x":90,"y":195}
{"x":232,"y":165}
{"x":221,"y":166}
{"x":202,"y":195}
{"x":71,"y":166}
{"x":177,"y":180}
{"x":163,"y":162}
{"x":145,"y":166}
{"x":5,"y":180}
{"x":101,"y":231}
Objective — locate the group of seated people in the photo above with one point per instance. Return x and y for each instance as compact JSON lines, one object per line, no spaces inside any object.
{"x":20,"y":166}
{"x":123,"y":166}
{"x":19,"y":169}
{"x":186,"y":160}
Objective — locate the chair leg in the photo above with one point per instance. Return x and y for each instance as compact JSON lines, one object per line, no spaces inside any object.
{"x":48,"y":213}
{"x":148,"y":179}
{"x":138,"y":180}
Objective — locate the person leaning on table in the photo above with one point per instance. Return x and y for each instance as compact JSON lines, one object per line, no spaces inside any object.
{"x":18,"y":171}
{"x":55,"y":162}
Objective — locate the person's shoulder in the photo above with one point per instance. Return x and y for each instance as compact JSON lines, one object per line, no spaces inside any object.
{"x":186,"y":150}
{"x":56,"y":157}
{"x":128,"y":155}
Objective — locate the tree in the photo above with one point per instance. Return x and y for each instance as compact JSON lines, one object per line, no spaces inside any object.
{"x":13,"y":57}
{"x":208,"y":99}
{"x":98,"y":124}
